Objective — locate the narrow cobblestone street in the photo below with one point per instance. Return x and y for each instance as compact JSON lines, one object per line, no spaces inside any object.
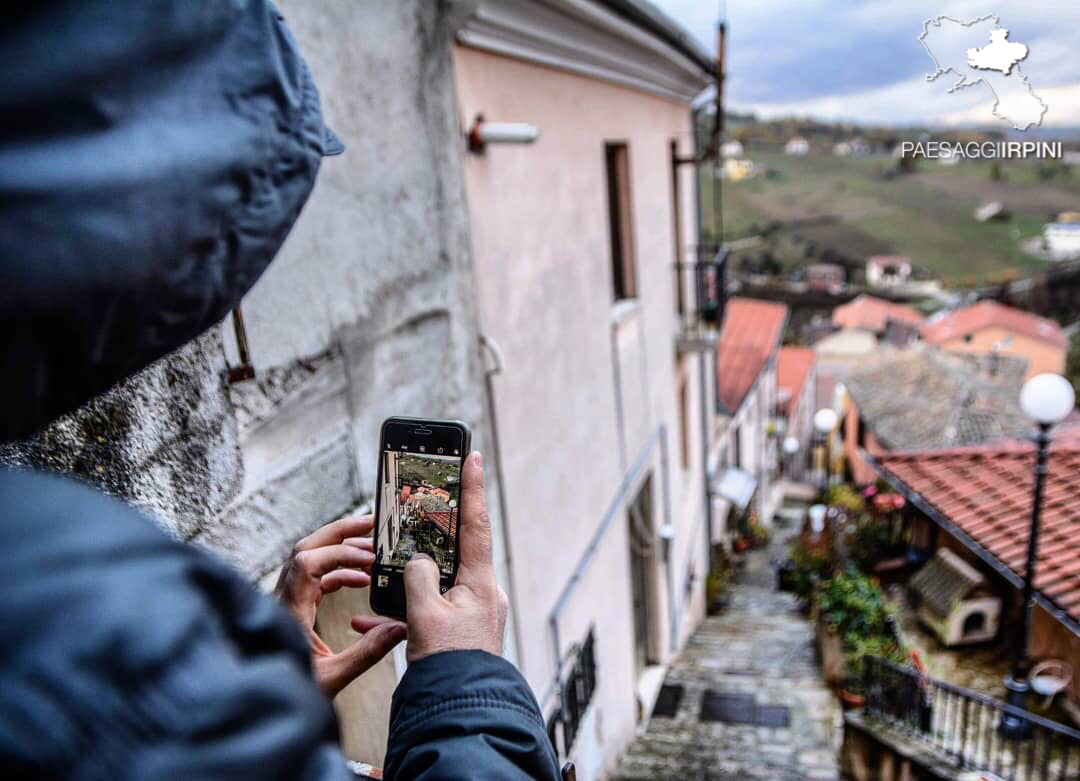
{"x":755,"y":665}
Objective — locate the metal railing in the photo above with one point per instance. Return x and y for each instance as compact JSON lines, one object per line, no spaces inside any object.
{"x":963,"y":726}
{"x":707,"y":282}
{"x":576,"y":693}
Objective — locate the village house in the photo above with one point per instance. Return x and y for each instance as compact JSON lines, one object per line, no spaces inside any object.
{"x":975,"y":502}
{"x":797,"y":146}
{"x":1061,"y":240}
{"x":796,"y":403}
{"x":830,"y":277}
{"x":869,"y":313}
{"x":599,"y":403}
{"x":732,"y":148}
{"x":989,"y":326}
{"x":887,"y":270}
{"x":746,"y":450}
{"x":835,"y":356}
{"x":923,"y":399}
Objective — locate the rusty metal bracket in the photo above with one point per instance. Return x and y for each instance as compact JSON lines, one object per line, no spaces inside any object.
{"x":244,"y":370}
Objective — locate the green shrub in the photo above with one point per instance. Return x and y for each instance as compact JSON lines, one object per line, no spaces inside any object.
{"x":857,"y":648}
{"x":759,"y":535}
{"x":814,"y":563}
{"x":874,"y":540}
{"x":855,"y":606}
{"x":719,"y":579}
{"x":844,"y":497}
{"x":852,"y":602}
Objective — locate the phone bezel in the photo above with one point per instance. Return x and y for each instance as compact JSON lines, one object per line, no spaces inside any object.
{"x":390,"y":600}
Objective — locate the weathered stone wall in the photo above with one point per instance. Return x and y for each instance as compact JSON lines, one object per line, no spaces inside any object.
{"x":165,"y":439}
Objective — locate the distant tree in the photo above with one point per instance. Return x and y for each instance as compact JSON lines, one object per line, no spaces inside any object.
{"x":906,"y":163}
{"x":1072,"y":362}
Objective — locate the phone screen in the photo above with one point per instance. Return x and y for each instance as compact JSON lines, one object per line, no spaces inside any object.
{"x":417,"y":505}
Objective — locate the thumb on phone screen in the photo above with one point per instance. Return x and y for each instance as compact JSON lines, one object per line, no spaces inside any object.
{"x":471,"y":615}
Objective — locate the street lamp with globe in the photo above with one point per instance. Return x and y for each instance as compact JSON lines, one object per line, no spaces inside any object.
{"x":825,"y":420}
{"x":791,"y":447}
{"x":1047,"y":399}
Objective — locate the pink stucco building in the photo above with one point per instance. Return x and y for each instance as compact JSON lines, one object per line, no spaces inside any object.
{"x":574,"y":238}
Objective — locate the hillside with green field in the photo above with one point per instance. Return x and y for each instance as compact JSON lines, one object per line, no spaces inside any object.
{"x":823,"y":207}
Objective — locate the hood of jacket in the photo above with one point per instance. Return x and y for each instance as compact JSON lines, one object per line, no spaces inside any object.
{"x":153,"y":157}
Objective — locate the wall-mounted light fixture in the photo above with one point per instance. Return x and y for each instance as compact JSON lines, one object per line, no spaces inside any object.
{"x":483,"y":133}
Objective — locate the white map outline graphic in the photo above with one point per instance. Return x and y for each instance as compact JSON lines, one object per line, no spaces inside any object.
{"x":963,"y":82}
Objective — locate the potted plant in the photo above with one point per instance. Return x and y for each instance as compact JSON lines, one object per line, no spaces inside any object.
{"x":845,"y":498}
{"x":853,"y":621}
{"x":758,"y":535}
{"x":718,"y":582}
{"x":811,"y":562}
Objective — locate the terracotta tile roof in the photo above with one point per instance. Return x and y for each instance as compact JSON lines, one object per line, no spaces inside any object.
{"x":443,"y":520}
{"x":750,"y":335}
{"x":925,"y":398}
{"x":988,"y":314}
{"x":793,"y":366}
{"x":872,"y":314}
{"x":985,"y":491}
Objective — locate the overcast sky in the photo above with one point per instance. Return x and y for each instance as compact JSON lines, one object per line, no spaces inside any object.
{"x":862,"y":60}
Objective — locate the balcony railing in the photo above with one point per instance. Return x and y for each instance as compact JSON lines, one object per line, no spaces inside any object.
{"x":704,"y":279}
{"x":963,"y":726}
{"x":576,"y":691}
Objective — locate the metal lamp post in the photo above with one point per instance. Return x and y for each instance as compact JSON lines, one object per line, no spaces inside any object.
{"x":1047,"y":399}
{"x":791,"y":448}
{"x":825,"y":420}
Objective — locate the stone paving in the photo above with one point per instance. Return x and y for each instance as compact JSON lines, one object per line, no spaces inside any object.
{"x":760,"y":645}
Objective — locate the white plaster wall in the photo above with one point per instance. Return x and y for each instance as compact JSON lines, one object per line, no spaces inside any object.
{"x":541,"y":251}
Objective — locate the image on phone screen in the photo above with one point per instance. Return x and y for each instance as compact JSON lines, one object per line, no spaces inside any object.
{"x":418,"y":504}
{"x":420,"y":508}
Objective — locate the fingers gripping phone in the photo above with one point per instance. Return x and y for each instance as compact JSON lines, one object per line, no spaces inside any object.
{"x":417,"y":504}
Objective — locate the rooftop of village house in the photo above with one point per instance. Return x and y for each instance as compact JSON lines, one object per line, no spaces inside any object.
{"x":969,"y":320}
{"x":748,"y":340}
{"x":927,"y":398}
{"x":871,"y":313}
{"x":985,"y":491}
{"x":793,"y":365}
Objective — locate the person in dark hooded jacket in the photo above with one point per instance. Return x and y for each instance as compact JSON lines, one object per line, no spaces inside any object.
{"x":153,"y":157}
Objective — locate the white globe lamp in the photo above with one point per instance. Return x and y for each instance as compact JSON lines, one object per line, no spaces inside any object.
{"x":1047,"y":398}
{"x":825,"y":420}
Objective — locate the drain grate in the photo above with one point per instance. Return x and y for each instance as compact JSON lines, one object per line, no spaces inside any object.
{"x":774,"y":715}
{"x":735,"y":708}
{"x":667,"y":702}
{"x":728,"y":707}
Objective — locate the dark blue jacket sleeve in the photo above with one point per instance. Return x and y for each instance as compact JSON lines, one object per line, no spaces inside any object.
{"x":128,"y":655}
{"x":467,"y":715}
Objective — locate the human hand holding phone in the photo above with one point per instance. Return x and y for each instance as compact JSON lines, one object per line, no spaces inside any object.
{"x":335,"y":556}
{"x":472,"y":614}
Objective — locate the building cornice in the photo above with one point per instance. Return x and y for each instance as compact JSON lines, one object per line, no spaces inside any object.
{"x":587,"y":38}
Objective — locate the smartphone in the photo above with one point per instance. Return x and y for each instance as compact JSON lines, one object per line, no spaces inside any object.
{"x":417,"y":503}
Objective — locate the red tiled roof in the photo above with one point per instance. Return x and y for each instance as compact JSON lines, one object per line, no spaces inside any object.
{"x":750,"y":334}
{"x":443,"y":520}
{"x":989,"y":314}
{"x":871,"y":314}
{"x":793,"y":366}
{"x":986,"y":491}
